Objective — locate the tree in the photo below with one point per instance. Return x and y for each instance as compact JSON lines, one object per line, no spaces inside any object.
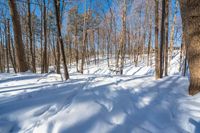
{"x":31,"y":38}
{"x":190,"y":12}
{"x":162,"y":38}
{"x":84,"y":40}
{"x":45,"y":63}
{"x":157,"y":59}
{"x":123,"y":39}
{"x":58,"y":23}
{"x":19,"y":47}
{"x":166,"y":37}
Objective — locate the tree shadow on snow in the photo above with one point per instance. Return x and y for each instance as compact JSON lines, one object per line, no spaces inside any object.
{"x":196,"y":125}
{"x":151,"y":108}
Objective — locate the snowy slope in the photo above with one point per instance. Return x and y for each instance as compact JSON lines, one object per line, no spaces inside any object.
{"x":98,"y":102}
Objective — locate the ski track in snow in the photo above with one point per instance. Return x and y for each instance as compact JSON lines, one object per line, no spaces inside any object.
{"x":98,"y":102}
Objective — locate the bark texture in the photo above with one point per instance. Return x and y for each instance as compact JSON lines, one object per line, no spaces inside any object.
{"x":19,"y":47}
{"x":190,"y":11}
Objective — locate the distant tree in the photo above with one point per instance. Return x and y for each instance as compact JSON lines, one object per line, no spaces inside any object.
{"x":123,"y":37}
{"x":172,"y":34}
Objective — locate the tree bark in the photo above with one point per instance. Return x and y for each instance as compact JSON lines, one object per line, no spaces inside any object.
{"x":58,"y":56}
{"x":7,"y":48}
{"x":45,"y":60}
{"x":162,"y":39}
{"x":157,"y":59}
{"x":166,"y":37}
{"x":19,"y":47}
{"x":123,"y":41}
{"x":31,"y":38}
{"x":58,"y":24}
{"x":149,"y":45}
{"x":84,"y":41}
{"x":190,"y":11}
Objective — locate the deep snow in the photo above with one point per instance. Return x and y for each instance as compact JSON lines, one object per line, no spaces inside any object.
{"x":99,"y":102}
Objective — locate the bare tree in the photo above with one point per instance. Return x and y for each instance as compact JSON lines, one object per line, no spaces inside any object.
{"x":123,"y":39}
{"x":58,"y":24}
{"x":162,"y":38}
{"x":157,"y":59}
{"x":45,"y":63}
{"x":166,"y":38}
{"x":31,"y":38}
{"x":21,"y":60}
{"x":84,"y":41}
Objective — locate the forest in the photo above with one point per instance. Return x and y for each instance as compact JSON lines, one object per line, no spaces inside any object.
{"x":100,"y":66}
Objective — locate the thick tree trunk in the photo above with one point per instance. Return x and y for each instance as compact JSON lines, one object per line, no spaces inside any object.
{"x":162,"y":38}
{"x":19,"y":47}
{"x":190,"y":11}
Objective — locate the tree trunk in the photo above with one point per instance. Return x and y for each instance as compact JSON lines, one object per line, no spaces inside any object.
{"x":58,"y":56}
{"x":58,"y":24}
{"x":31,"y":38}
{"x":157,"y":59}
{"x":149,"y":42}
{"x":162,"y":38}
{"x":7,"y":47}
{"x":41,"y":44}
{"x":45,"y":60}
{"x":190,"y":11}
{"x":166,"y":37}
{"x":123,"y":41}
{"x":84,"y":41}
{"x":19,"y":47}
{"x":76,"y":44}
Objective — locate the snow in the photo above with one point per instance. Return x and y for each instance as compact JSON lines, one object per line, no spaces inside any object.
{"x":99,"y":101}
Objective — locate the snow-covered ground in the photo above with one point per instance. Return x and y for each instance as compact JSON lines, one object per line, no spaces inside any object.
{"x":99,"y":102}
